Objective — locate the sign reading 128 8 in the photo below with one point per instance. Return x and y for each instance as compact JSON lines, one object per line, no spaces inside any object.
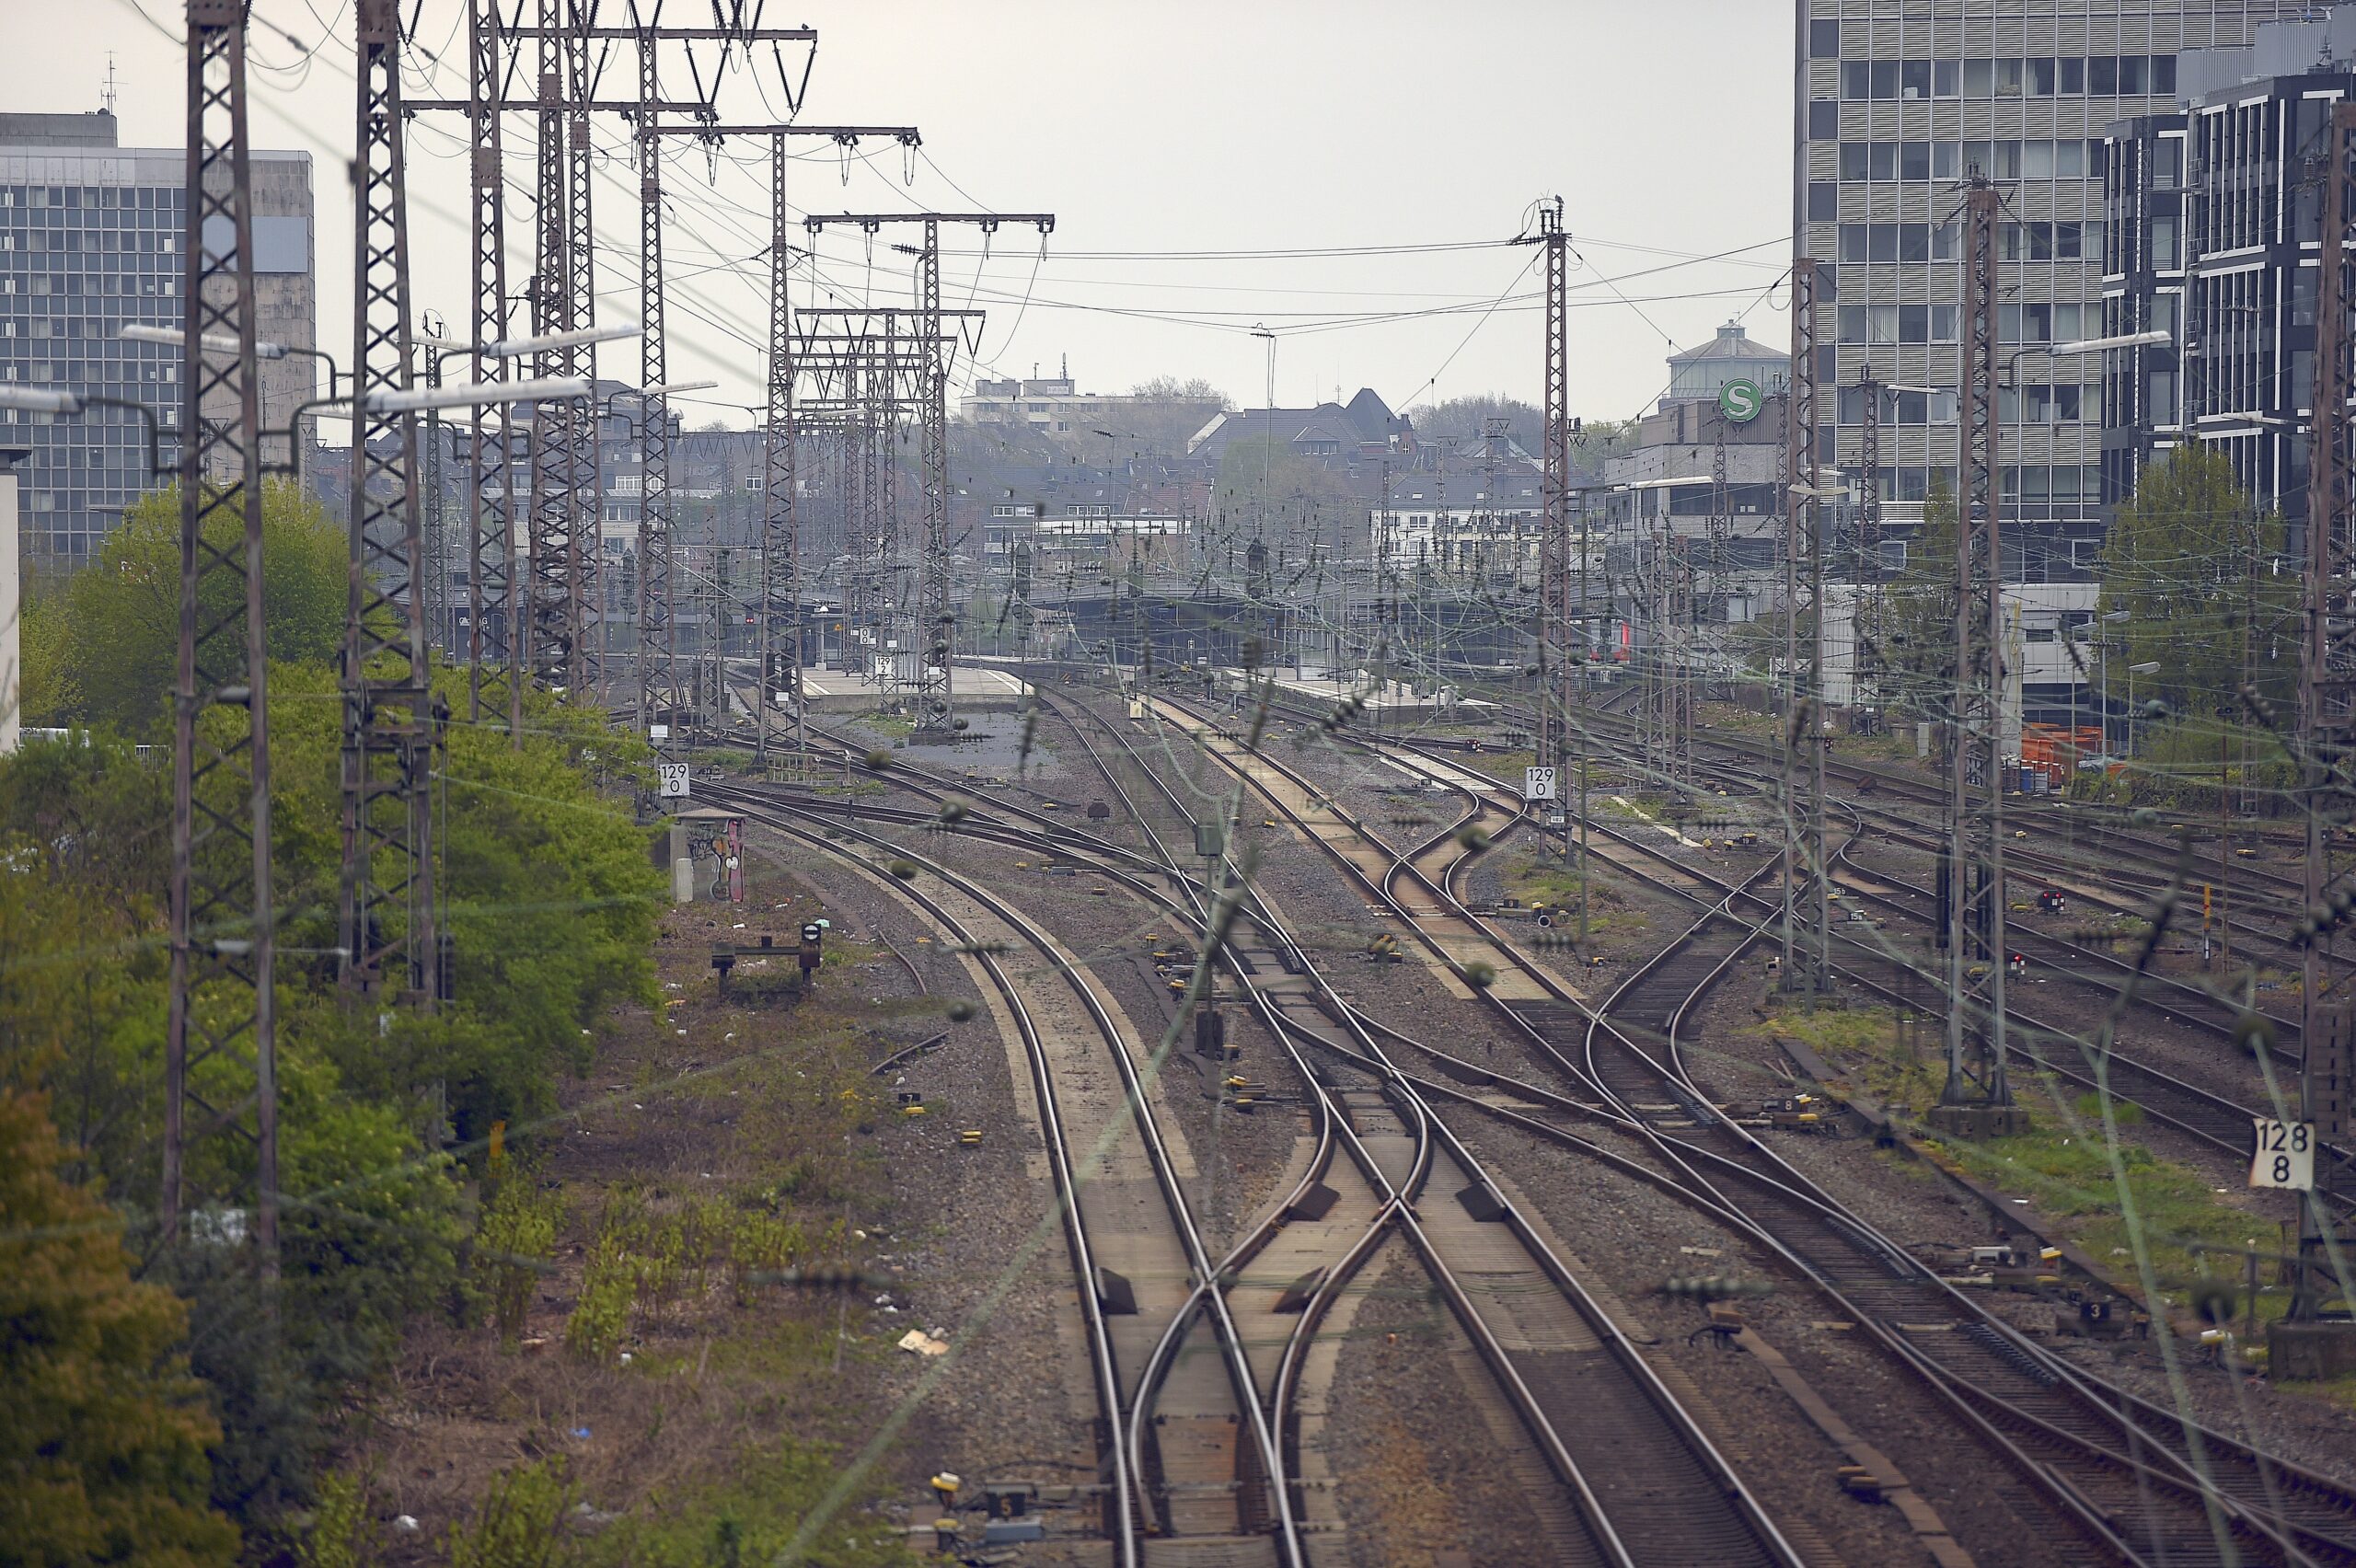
{"x":2285,"y":1155}
{"x":1740,"y":402}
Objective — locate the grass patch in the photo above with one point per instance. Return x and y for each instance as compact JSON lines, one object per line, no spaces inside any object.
{"x":1551,"y":884}
{"x":2068,"y":1173}
{"x":1865,"y":1043}
{"x":2061,"y":1165}
{"x":750,"y":1516}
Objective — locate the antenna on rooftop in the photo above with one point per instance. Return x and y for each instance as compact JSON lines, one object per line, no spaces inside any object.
{"x":107,"y":94}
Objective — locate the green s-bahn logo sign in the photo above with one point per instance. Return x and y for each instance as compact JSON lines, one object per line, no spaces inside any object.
{"x":1740,"y":402}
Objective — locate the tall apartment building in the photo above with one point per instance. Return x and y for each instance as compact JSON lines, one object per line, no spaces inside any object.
{"x":90,"y":239}
{"x":2212,"y":237}
{"x":1895,"y":106}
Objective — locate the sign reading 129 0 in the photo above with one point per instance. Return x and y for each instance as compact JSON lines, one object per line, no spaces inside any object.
{"x":1740,"y":402}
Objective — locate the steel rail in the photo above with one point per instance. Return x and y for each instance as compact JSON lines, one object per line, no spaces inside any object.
{"x":2273,"y":1477}
{"x":1744,"y":1510}
{"x":2261,"y":1526}
{"x":1141,"y":1116}
{"x":2214,"y":1119}
{"x":1125,"y":1531}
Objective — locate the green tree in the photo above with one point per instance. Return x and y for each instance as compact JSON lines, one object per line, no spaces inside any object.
{"x":1169,"y":412}
{"x":122,"y":635}
{"x":551,"y":900}
{"x":2195,"y":567}
{"x":102,"y":1433}
{"x":1459,"y":417}
{"x":45,"y":690}
{"x":1916,"y":655}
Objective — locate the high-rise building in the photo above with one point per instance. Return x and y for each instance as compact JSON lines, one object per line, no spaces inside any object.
{"x":2213,"y":237}
{"x":1894,"y":111}
{"x":90,"y":239}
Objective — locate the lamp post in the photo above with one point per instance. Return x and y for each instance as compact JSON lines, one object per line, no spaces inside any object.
{"x":2112,"y":619}
{"x":224,"y":344}
{"x":502,"y":350}
{"x":650,"y":408}
{"x":2148,"y":667}
{"x":59,"y":402}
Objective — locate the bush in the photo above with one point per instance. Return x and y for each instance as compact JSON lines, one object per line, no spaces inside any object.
{"x":102,"y":1432}
{"x":521,"y":1523}
{"x":119,"y":641}
{"x":552,"y":901}
{"x":518,"y":1233}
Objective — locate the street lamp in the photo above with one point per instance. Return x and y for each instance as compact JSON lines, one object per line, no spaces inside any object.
{"x":224,"y":343}
{"x":2147,"y":667}
{"x":437,"y":349}
{"x":648,"y":396}
{"x":473,"y":395}
{"x":551,"y":342}
{"x":216,"y":343}
{"x":59,"y":401}
{"x":2153,"y":340}
{"x":2113,"y":618}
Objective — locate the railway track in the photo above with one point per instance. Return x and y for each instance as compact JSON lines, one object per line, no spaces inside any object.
{"x":2096,"y":860}
{"x":2035,"y":1045}
{"x":1645,"y":1486}
{"x":2138,"y":1482}
{"x":1662,"y":1490}
{"x":1186,"y":1450}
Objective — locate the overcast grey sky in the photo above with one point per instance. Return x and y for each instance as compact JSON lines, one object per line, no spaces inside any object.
{"x":1155,"y":131}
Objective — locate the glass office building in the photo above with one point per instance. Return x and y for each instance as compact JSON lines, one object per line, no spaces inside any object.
{"x":2215,"y":232}
{"x":1896,"y":105}
{"x":90,"y":239}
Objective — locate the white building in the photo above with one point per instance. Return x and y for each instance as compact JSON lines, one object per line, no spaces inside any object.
{"x":1056,"y":406}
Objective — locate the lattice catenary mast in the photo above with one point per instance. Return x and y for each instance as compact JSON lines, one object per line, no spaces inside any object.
{"x":1977,"y":1097}
{"x":223,"y":1000}
{"x":1802,"y":783}
{"x":2327,"y":729}
{"x":936,"y":623}
{"x":385,"y":907}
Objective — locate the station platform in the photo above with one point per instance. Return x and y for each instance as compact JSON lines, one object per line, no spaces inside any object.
{"x":978,"y":686}
{"x":1391,"y":699}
